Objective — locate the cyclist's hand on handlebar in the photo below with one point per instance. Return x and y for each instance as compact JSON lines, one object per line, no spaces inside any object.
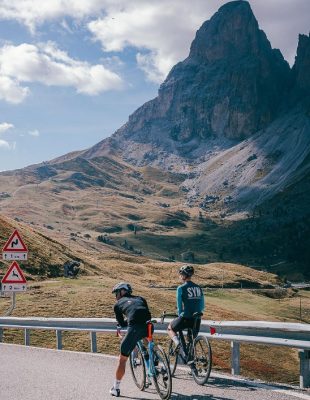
{"x":118,"y":331}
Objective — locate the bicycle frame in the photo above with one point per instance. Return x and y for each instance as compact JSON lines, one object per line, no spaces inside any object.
{"x":149,"y":361}
{"x":189,"y":346}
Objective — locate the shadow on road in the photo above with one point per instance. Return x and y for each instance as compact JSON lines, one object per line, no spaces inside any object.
{"x":176,"y":396}
{"x":213,"y":383}
{"x":222,"y":383}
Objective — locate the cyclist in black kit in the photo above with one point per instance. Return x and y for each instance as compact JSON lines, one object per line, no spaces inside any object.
{"x":137,"y":313}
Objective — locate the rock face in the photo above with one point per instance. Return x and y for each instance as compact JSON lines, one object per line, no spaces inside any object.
{"x":301,"y":69}
{"x":231,"y":84}
{"x":232,"y":98}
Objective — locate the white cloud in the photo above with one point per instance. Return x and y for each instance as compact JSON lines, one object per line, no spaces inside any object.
{"x":34,"y":12}
{"x":160,"y":30}
{"x":46,"y":64}
{"x":34,"y":133}
{"x":4,"y":144}
{"x":5,"y":126}
{"x":153,"y":28}
{"x":11,"y":91}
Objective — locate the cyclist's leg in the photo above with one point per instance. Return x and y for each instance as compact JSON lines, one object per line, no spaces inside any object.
{"x":120,"y":372}
{"x":121,"y":367}
{"x":134,"y":333}
{"x":196,"y":327}
{"x":175,"y":326}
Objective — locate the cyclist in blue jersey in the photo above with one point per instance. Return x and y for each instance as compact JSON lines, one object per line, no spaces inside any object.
{"x":190,"y":299}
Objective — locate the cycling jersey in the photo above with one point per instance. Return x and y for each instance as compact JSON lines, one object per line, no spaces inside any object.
{"x":190,"y":299}
{"x":135,"y":308}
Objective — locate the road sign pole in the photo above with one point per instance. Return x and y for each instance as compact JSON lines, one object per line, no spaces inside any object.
{"x":13,"y":304}
{"x":14,"y":280}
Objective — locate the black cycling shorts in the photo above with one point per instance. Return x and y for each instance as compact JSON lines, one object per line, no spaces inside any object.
{"x":133,"y":335}
{"x":181,"y":323}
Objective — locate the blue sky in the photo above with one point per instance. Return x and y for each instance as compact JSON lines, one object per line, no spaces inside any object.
{"x":71,"y":71}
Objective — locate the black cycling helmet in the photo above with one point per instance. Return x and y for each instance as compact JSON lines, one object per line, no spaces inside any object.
{"x":187,"y":270}
{"x":122,"y":285}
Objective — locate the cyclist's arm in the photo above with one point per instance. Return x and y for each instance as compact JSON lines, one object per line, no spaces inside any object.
{"x":179,"y":301}
{"x":144,"y":302}
{"x":119,"y":316}
{"x":202,"y":303}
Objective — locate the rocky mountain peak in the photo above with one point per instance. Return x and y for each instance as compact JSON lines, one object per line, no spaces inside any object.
{"x":229,"y":86}
{"x":233,"y":31}
{"x":302,"y":64}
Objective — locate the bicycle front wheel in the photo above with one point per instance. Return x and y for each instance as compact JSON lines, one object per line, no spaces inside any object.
{"x":137,"y":367}
{"x":162,"y":378}
{"x":173,"y":355}
{"x":202,"y":364}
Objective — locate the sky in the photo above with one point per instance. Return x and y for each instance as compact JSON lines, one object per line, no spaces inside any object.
{"x":72,"y":71}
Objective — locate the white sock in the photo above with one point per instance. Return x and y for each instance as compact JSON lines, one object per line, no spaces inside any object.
{"x":176,"y":340}
{"x":116,"y":384}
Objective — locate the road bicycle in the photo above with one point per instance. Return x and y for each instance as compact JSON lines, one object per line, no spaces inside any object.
{"x":194,"y":351}
{"x":150,"y":363}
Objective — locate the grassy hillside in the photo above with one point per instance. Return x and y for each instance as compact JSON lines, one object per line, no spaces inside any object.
{"x":110,"y":206}
{"x":49,"y":294}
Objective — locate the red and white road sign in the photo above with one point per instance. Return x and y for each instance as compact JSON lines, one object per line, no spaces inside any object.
{"x":14,"y":280}
{"x":15,"y":248}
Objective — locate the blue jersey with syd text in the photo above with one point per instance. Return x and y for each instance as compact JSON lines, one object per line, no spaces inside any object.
{"x":190,"y":299}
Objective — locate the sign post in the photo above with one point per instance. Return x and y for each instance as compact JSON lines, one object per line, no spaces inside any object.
{"x":14,"y":279}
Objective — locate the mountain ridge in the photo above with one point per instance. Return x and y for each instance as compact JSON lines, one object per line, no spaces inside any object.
{"x":227,"y":134}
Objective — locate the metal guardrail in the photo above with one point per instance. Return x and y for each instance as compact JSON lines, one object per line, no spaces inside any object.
{"x":259,"y":332}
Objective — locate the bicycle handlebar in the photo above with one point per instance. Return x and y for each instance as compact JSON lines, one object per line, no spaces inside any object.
{"x":165,"y":314}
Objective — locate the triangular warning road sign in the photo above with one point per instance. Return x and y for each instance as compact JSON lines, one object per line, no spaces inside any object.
{"x":15,"y":243}
{"x":14,"y":275}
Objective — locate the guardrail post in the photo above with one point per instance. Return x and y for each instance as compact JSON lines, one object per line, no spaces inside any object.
{"x":304,"y":376}
{"x":93,"y":342}
{"x":235,"y":358}
{"x":59,"y":340}
{"x":1,"y":335}
{"x":27,"y":337}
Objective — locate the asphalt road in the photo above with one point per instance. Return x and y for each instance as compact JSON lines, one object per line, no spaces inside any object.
{"x":28,"y":373}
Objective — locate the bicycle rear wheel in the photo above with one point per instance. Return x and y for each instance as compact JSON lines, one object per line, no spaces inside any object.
{"x":202,"y":364}
{"x":173,"y":356}
{"x":162,"y":378}
{"x":137,"y":367}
